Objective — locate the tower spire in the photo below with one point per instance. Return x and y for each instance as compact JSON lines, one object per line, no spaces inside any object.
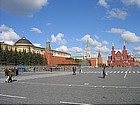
{"x":124,"y":47}
{"x":124,"y":43}
{"x":112,"y":46}
{"x":112,"y":43}
{"x":88,"y":49}
{"x":99,"y":54}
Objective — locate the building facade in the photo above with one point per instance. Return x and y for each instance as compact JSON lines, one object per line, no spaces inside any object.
{"x":23,"y":44}
{"x":54,"y":57}
{"x":120,"y":58}
{"x":58,"y":58}
{"x":100,"y":61}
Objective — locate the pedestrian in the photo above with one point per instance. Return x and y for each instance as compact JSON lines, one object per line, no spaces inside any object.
{"x":51,"y":69}
{"x":16,"y":71}
{"x":80,"y":70}
{"x":6,"y":71}
{"x":9,"y":78}
{"x":34,"y":69}
{"x":74,"y":70}
{"x":104,"y":74}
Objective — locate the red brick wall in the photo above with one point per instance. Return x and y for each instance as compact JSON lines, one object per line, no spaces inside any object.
{"x":55,"y":60}
{"x":100,"y":60}
{"x":93,"y":62}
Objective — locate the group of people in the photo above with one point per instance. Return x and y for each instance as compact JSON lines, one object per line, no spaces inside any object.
{"x":80,"y":70}
{"x":74,"y":69}
{"x":10,"y":73}
{"x":14,"y":72}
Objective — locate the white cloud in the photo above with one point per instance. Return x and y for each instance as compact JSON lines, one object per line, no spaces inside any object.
{"x":130,"y":37}
{"x":22,"y":7}
{"x":8,"y":35}
{"x":48,"y":24}
{"x":103,"y":3}
{"x":70,"y":50}
{"x":137,"y":49}
{"x":103,"y":50}
{"x":62,"y":49}
{"x":58,"y":39}
{"x":76,"y":50}
{"x":105,"y":42}
{"x":127,"y":36}
{"x":117,"y":13}
{"x":92,"y":42}
{"x":37,"y":45}
{"x":98,"y":46}
{"x":131,"y":2}
{"x":96,"y":37}
{"x":36,"y":30}
{"x":117,"y":30}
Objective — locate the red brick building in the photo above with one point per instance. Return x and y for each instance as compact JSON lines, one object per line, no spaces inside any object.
{"x":54,"y":57}
{"x":96,"y":62}
{"x":120,"y":58}
{"x":58,"y":60}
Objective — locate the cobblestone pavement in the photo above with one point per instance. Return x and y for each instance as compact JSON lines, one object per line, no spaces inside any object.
{"x":121,"y":86}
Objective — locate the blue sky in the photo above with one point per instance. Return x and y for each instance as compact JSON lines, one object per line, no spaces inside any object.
{"x":69,"y":24}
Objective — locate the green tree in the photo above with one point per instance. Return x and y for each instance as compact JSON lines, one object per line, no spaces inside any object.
{"x":11,"y":56}
{"x":4,"y":58}
{"x":29,"y":56}
{"x":15,"y":57}
{"x":8,"y":57}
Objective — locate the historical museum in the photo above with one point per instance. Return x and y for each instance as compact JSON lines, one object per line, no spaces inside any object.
{"x":120,"y":58}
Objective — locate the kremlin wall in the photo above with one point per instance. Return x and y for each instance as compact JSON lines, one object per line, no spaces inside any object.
{"x":116,"y":59}
{"x":53,"y":57}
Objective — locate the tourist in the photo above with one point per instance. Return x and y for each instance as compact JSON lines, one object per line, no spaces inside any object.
{"x":80,"y":70}
{"x":9,"y":78}
{"x":74,"y":70}
{"x":34,"y":69}
{"x":104,"y":74}
{"x":6,"y":71}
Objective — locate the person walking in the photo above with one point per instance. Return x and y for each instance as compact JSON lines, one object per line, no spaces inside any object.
{"x":80,"y":70}
{"x":74,"y":70}
{"x":104,"y":74}
{"x":34,"y":69}
{"x":6,"y":71}
{"x":9,"y":78}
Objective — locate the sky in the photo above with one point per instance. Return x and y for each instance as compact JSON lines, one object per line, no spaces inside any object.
{"x":70,"y":24}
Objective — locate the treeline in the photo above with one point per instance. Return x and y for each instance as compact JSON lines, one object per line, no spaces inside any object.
{"x":10,"y":57}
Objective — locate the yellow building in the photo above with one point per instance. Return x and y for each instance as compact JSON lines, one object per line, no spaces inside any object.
{"x":23,"y":44}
